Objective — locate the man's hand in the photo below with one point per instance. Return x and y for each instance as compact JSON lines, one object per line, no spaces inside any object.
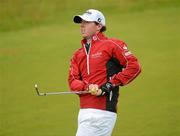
{"x":106,"y":88}
{"x":94,"y":90}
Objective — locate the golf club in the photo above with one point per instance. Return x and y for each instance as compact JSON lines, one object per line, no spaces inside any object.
{"x":57,"y":93}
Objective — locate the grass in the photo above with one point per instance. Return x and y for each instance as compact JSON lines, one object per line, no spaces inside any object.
{"x":19,"y":14}
{"x":29,"y":54}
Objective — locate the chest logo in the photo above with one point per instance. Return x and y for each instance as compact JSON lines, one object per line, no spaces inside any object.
{"x":96,"y":55}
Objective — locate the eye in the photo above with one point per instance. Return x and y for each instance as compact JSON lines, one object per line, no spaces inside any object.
{"x":87,"y":22}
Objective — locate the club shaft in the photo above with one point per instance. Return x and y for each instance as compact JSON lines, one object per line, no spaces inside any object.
{"x":57,"y":93}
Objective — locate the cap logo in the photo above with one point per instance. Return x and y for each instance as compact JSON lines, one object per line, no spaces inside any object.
{"x":88,"y":12}
{"x":99,"y":20}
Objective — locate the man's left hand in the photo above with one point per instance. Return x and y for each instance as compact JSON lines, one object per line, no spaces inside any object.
{"x":106,"y":88}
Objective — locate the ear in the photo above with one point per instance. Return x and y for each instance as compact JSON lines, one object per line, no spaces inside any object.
{"x":99,"y":26}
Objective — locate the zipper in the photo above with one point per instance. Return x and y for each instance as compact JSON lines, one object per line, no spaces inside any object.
{"x":87,"y":55}
{"x":88,"y":71}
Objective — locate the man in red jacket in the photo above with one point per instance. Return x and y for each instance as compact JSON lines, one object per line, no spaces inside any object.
{"x":100,"y":66}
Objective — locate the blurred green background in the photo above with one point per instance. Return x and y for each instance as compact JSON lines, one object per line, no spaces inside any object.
{"x":37,"y":40}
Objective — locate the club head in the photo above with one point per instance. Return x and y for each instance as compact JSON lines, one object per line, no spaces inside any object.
{"x":37,"y":91}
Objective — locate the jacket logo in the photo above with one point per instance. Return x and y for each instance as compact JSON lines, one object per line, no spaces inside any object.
{"x":96,"y":55}
{"x":127,"y":53}
{"x":124,"y":47}
{"x":94,"y":38}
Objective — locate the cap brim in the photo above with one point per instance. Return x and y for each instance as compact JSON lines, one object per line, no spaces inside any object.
{"x":77,"y":19}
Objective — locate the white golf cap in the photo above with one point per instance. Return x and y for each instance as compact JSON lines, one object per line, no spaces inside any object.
{"x":91,"y":15}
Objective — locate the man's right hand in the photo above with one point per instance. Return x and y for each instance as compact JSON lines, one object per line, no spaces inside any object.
{"x":94,"y":90}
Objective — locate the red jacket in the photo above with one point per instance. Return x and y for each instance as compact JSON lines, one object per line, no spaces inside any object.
{"x":91,"y":68}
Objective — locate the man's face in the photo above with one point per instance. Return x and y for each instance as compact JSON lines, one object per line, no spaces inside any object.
{"x":88,"y":29}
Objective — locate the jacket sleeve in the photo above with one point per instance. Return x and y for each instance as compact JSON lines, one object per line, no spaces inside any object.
{"x":131,"y":66}
{"x":74,"y":79}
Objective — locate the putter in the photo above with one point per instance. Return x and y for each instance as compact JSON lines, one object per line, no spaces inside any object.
{"x":57,"y":93}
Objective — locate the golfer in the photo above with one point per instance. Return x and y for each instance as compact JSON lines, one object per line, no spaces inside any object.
{"x":100,"y":66}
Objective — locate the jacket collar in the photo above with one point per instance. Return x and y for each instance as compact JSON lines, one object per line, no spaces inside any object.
{"x":96,"y":37}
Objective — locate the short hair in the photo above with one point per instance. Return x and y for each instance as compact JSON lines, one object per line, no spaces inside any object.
{"x":103,"y":29}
